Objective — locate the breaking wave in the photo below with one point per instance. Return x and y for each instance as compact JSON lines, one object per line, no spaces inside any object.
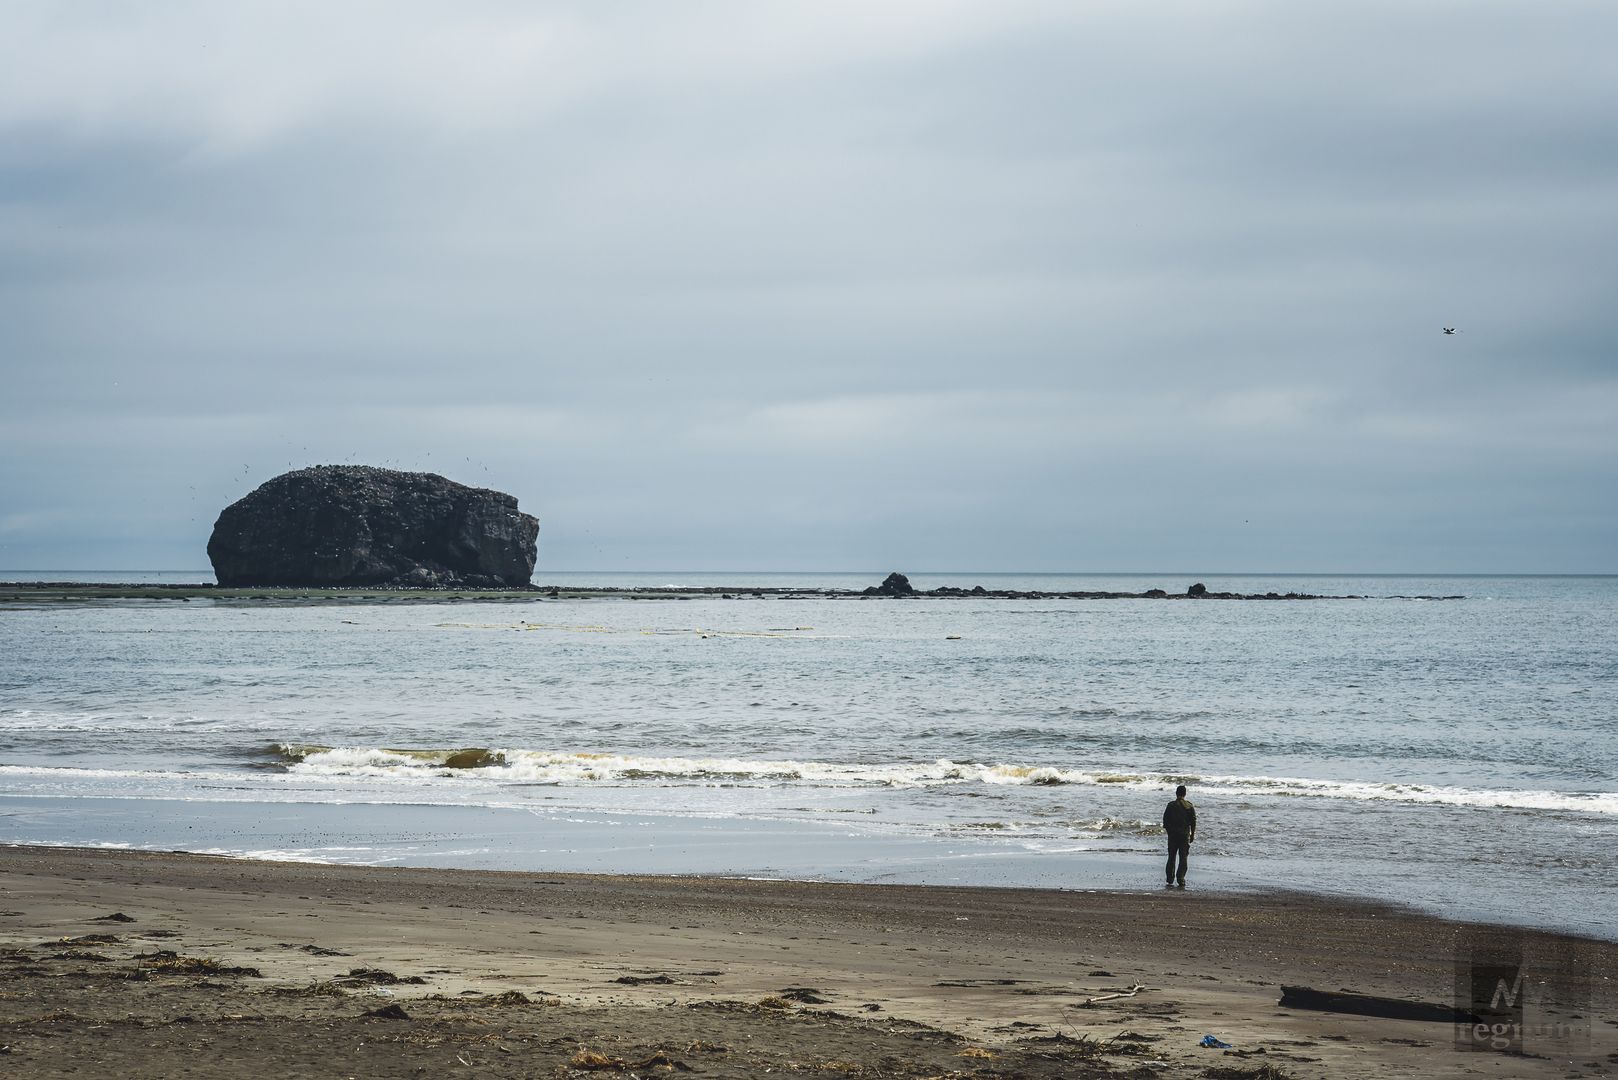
{"x":517,"y":766}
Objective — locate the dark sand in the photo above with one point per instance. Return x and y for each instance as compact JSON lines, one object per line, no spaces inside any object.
{"x":522,"y":977}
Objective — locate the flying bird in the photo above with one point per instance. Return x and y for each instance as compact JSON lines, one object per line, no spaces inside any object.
{"x":1449,"y":329}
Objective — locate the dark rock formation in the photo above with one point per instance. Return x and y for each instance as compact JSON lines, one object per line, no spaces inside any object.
{"x":1199,"y":589}
{"x":895,"y":584}
{"x":345,"y":525}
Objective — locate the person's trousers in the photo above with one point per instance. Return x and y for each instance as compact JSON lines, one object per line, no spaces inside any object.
{"x":1179,"y":846}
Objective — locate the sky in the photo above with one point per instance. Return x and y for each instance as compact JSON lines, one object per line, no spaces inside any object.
{"x":823,"y":285}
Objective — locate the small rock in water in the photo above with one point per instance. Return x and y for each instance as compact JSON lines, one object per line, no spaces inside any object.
{"x":895,"y":584}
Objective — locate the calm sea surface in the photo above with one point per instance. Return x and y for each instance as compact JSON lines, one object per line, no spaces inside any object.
{"x":1461,"y":755}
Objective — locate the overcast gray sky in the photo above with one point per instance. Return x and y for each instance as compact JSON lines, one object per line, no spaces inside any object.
{"x":823,"y":285}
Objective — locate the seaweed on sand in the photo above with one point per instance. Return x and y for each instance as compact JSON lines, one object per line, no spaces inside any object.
{"x":589,"y":1059}
{"x":172,"y":963}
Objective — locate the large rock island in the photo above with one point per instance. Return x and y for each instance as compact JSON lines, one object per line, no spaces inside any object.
{"x":343,"y":525}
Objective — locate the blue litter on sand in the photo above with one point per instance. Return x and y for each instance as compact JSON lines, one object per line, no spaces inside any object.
{"x":1213,"y":1044}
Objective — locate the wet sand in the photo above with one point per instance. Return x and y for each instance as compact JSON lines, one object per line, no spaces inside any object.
{"x":230,"y":966}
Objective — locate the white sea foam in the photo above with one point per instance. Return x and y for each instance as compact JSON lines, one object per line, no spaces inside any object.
{"x":515,"y":766}
{"x":71,"y":774}
{"x":1597,"y":802}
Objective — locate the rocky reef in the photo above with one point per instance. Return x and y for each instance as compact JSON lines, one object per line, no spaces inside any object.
{"x":341,"y":525}
{"x":895,"y":584}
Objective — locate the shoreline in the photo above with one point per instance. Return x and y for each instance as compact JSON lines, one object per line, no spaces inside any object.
{"x":69,"y":592}
{"x":542,"y":838}
{"x":837,"y":979}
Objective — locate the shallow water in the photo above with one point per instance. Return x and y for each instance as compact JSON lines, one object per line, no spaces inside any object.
{"x":1459,"y":755}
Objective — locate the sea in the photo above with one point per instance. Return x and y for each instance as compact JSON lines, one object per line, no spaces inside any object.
{"x":1455,"y":755}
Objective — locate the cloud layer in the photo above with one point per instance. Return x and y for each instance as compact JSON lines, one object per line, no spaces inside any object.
{"x":822,"y":285}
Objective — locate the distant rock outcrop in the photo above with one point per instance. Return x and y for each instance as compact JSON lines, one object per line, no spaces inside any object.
{"x":344,"y":525}
{"x":895,"y":584}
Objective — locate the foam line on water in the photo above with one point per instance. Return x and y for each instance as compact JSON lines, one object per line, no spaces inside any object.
{"x":510,"y":765}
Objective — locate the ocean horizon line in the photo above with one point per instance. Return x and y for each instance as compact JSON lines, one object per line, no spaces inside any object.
{"x":941,"y":573}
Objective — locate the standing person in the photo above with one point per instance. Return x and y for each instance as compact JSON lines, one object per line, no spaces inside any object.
{"x":1180,"y":822}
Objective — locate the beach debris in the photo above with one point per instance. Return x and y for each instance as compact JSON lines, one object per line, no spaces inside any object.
{"x":84,"y":939}
{"x":642,"y":980}
{"x":1263,"y":1072}
{"x":589,"y":1059}
{"x":774,"y":1002}
{"x":979,"y":982}
{"x":975,"y":1052}
{"x":388,"y":1012}
{"x":1115,"y":995}
{"x":323,"y":988}
{"x":1062,"y":1046}
{"x":804,"y":995}
{"x":316,"y":950}
{"x":116,"y":916}
{"x":361,"y":976}
{"x":1213,"y":1042}
{"x":514,"y":998}
{"x":1302,"y":997}
{"x":702,"y":1046}
{"x":172,"y":963}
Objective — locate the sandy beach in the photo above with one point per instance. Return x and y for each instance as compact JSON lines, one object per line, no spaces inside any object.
{"x":147,"y":964}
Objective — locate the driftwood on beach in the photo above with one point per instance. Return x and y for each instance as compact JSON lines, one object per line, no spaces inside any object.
{"x":1302,"y":997}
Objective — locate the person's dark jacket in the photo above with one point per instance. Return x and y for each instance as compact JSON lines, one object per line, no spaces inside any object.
{"x":1180,"y":819}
